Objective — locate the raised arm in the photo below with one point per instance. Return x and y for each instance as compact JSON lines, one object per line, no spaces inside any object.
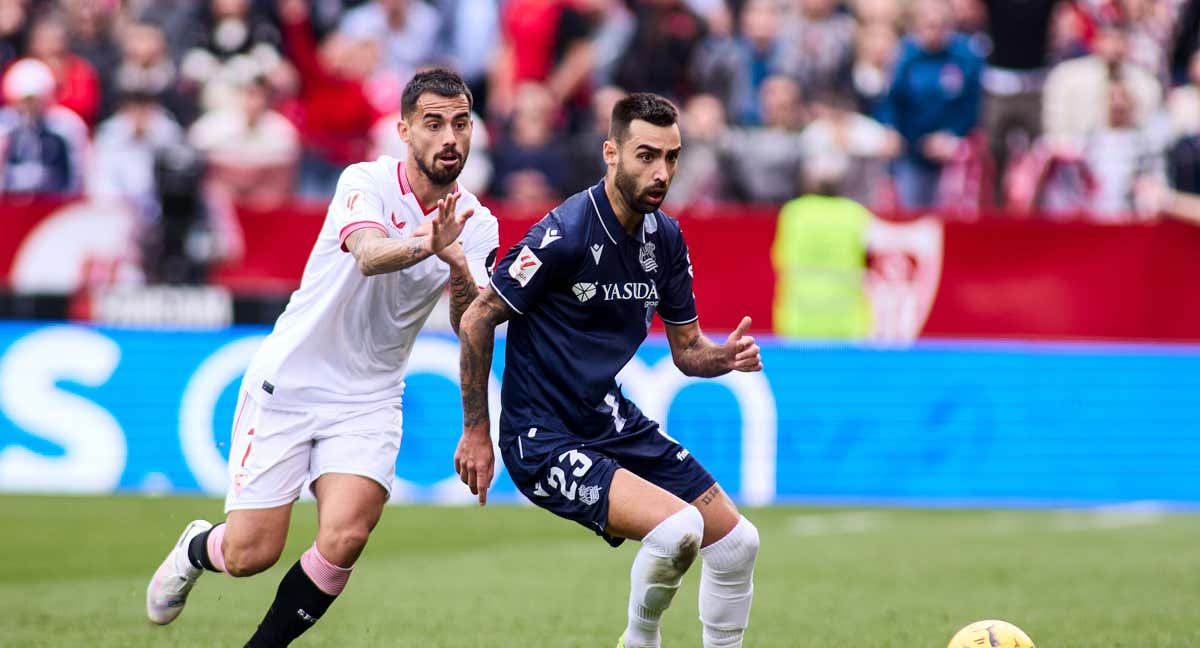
{"x":375,"y":253}
{"x":696,"y":355}
{"x":474,"y":460}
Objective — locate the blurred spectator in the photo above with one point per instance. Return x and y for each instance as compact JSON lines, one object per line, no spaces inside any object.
{"x":146,"y":68}
{"x":531,"y":161}
{"x":699,"y":177}
{"x":477,"y":170}
{"x":871,"y":75}
{"x":403,"y":31}
{"x":541,"y":41}
{"x":658,"y":57}
{"x":839,"y":138}
{"x":77,"y":83}
{"x":820,"y":261}
{"x":613,"y":25}
{"x":235,"y":44}
{"x":1012,"y":81}
{"x":1183,"y":102}
{"x":1076,"y":94}
{"x":877,"y":12}
{"x":196,"y":228}
{"x":933,"y":102}
{"x":468,"y":41}
{"x":586,"y":148}
{"x":1070,"y":30}
{"x":122,"y":165}
{"x":251,"y":151}
{"x":332,"y":109}
{"x":1185,"y":44}
{"x":1118,"y":155}
{"x":42,"y":145}
{"x":1151,"y":28}
{"x":818,"y":42}
{"x":970,"y":18}
{"x":90,"y":24}
{"x":734,"y":67}
{"x":1183,"y":159}
{"x":14,"y":30}
{"x":763,"y":163}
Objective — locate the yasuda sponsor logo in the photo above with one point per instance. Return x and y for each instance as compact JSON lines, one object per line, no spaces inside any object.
{"x":630,"y":290}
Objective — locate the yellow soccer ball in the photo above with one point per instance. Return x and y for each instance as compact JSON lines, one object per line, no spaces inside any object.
{"x":989,"y":634}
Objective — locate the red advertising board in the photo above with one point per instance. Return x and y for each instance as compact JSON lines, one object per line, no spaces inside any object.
{"x":996,"y":278}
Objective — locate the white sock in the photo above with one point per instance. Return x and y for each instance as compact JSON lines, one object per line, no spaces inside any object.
{"x":666,"y":553}
{"x":727,"y":586}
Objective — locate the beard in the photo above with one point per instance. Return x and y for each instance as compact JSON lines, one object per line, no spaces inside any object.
{"x":638,"y":199}
{"x":439,"y":175}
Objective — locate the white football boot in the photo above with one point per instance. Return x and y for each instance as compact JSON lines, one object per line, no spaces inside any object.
{"x":168,"y":590}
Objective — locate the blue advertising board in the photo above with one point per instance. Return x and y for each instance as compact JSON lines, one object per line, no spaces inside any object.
{"x":100,"y":410}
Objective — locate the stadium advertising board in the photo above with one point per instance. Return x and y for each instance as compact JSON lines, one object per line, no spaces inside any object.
{"x":93,"y":410}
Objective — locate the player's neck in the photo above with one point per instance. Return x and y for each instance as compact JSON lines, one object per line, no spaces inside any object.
{"x":630,"y":218}
{"x":423,"y":188}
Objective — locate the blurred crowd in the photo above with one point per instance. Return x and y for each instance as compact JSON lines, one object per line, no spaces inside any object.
{"x":1061,"y":108}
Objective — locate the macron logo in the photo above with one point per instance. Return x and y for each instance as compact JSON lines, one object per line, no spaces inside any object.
{"x":584,"y":291}
{"x":597,"y":250}
{"x":549,"y":237}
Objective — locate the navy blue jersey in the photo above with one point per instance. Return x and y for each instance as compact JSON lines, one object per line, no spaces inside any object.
{"x":585,"y":292}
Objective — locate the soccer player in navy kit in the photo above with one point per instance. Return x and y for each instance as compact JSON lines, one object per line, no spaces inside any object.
{"x":579,"y":292}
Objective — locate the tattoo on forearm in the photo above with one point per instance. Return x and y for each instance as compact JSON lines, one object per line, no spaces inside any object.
{"x":476,"y":337}
{"x":711,"y":495}
{"x":388,"y":255}
{"x":462,"y":292}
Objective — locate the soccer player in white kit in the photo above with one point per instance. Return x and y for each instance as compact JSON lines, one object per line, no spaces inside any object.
{"x":320,"y":402}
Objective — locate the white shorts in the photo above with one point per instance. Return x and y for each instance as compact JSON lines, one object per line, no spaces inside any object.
{"x":273,"y":453}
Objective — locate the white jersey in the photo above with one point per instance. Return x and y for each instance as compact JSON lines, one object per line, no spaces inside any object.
{"x":344,"y":339}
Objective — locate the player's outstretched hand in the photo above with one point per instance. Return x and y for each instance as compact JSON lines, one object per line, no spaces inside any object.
{"x":742,"y":349}
{"x":447,"y":225}
{"x":475,"y":462}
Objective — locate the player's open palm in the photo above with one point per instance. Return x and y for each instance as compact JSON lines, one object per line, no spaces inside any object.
{"x":447,"y":225}
{"x":475,"y":462}
{"x":742,"y":349}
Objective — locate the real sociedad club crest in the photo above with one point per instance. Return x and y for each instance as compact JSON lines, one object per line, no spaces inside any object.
{"x":646,"y":256}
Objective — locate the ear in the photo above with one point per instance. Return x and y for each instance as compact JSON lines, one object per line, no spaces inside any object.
{"x":611,"y":152}
{"x":402,"y":129}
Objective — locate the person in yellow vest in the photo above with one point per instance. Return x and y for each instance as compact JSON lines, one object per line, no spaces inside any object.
{"x":820,"y":259}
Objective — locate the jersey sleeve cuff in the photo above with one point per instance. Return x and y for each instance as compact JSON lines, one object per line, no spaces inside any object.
{"x":693,"y":318}
{"x":506,"y":299}
{"x":354,"y":227}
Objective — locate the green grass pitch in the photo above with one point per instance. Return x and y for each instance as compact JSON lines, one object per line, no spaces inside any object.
{"x":73,"y":572}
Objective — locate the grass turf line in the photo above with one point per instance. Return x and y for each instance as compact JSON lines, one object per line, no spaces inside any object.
{"x":73,"y":572}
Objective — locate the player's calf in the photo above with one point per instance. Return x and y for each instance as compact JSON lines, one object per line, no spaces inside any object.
{"x":666,"y":554}
{"x":303,"y":597}
{"x":727,"y":586}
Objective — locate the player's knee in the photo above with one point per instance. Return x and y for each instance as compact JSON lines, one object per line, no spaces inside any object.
{"x":342,"y":545}
{"x":677,"y":539}
{"x":736,"y":552}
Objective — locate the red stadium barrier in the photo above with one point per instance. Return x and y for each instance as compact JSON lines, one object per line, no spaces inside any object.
{"x":995,"y":278}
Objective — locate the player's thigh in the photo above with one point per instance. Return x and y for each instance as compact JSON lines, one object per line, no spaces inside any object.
{"x":720,"y":514}
{"x":348,"y":508}
{"x":636,"y":506}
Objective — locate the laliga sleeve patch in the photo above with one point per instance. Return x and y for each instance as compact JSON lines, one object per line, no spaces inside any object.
{"x":524,"y":266}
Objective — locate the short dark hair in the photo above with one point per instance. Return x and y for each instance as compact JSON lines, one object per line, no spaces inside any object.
{"x":439,"y":81}
{"x":644,"y":106}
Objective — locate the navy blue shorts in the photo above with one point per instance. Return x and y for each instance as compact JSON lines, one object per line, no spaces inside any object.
{"x":570,"y":475}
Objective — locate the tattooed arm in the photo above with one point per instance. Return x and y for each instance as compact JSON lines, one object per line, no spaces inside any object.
{"x":375,"y":253}
{"x":696,"y":355}
{"x":474,"y":459}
